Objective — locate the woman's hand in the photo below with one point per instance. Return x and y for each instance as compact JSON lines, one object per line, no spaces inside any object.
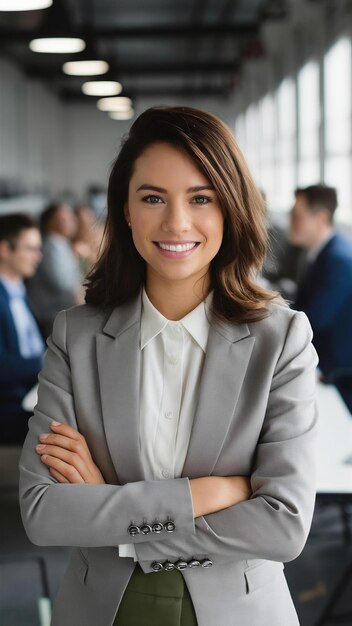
{"x":214,"y":493}
{"x":66,"y":454}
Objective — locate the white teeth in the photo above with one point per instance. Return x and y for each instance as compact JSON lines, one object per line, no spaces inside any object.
{"x":179,"y":247}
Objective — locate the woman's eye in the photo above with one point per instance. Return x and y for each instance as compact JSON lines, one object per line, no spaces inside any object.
{"x":201,"y":200}
{"x":152,"y":199}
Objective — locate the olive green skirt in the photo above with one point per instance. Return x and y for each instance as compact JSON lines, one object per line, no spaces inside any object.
{"x":156,"y":599}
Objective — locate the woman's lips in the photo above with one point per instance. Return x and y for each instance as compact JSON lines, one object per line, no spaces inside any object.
{"x":176,"y":250}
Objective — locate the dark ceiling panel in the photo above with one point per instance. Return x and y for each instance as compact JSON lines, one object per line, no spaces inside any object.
{"x":183,"y":45}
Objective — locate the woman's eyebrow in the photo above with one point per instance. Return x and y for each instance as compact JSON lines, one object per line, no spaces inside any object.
{"x":151,"y":187}
{"x":146,"y":186}
{"x":200,"y":188}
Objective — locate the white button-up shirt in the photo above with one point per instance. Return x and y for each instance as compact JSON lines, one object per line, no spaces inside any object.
{"x":172,"y":360}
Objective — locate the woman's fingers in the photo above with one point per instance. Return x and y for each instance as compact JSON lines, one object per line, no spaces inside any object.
{"x":68,"y":431}
{"x":68,"y":445}
{"x":73,"y":445}
{"x":70,"y":458}
{"x":59,"y":477}
{"x":67,"y":471}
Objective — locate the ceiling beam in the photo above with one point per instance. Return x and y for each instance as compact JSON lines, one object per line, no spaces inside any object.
{"x":223,"y":91}
{"x":144,"y":69}
{"x":246,"y":29}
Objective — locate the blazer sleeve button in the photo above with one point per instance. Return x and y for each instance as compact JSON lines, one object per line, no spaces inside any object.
{"x":145,"y":529}
{"x":133,"y":530}
{"x":180,"y":565}
{"x":206,"y":563}
{"x":193,"y":563}
{"x":168,"y":566}
{"x":169,"y":526}
{"x":157,"y":527}
{"x":156,"y":566}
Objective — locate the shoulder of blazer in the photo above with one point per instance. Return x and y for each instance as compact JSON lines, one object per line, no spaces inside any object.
{"x":4,"y":298}
{"x":338,"y":247}
{"x":275,"y":324}
{"x":7,"y":325}
{"x":86,"y":319}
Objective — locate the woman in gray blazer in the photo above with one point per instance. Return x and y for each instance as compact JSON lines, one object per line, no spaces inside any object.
{"x":173,"y":440}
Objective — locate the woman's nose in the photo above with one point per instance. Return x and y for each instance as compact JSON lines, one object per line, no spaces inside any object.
{"x":177,"y":218}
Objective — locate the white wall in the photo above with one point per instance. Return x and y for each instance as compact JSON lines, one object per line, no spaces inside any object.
{"x":32,"y":133}
{"x":51,"y":148}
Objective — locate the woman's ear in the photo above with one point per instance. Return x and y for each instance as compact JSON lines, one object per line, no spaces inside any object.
{"x":127,"y":214}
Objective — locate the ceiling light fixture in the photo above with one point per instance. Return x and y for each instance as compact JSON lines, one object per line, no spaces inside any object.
{"x":57,"y":45}
{"x":101,"y":88}
{"x":121,"y":103}
{"x":24,"y":5}
{"x":85,"y":68}
{"x":121,"y":115}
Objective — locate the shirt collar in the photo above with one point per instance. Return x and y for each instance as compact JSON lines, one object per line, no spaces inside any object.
{"x":15,"y":289}
{"x":196,"y":322}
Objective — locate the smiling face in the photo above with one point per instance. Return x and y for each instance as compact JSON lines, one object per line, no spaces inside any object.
{"x":175,"y":215}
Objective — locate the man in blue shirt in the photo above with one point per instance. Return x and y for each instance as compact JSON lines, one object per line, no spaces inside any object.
{"x":21,"y":344}
{"x":325,"y":293}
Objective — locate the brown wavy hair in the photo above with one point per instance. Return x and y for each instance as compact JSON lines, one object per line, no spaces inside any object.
{"x":120,"y":271}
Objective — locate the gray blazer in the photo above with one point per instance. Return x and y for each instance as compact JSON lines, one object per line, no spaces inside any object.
{"x":256,"y":416}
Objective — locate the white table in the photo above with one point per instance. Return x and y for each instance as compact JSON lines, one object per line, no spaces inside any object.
{"x":334,"y":443}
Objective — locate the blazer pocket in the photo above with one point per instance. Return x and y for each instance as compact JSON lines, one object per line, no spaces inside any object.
{"x":258,"y":575}
{"x":79,"y":564}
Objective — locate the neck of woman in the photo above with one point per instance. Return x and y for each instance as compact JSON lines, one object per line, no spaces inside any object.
{"x":175,"y":299}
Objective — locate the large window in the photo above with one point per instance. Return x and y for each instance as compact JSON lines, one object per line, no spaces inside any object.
{"x":267,"y":148}
{"x":252,"y":139}
{"x":308,"y":125}
{"x":286,"y":142}
{"x":288,"y":146}
{"x":337,"y":96}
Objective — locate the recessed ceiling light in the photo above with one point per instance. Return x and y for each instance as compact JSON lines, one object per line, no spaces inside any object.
{"x":85,"y":68}
{"x":57,"y":45}
{"x":121,"y":103}
{"x":102,"y":88}
{"x":24,"y":5}
{"x":121,"y":115}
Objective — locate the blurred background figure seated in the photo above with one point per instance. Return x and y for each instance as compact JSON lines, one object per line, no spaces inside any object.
{"x":21,"y":343}
{"x":57,"y":284}
{"x":88,"y":238}
{"x":325,"y":290}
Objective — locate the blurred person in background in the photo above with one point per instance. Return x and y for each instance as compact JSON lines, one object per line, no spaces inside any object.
{"x":325,"y":291}
{"x":88,"y":237}
{"x":57,"y":284}
{"x":21,"y":343}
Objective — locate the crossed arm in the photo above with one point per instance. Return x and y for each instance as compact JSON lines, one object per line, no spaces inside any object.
{"x":66,"y":454}
{"x":271,"y":523}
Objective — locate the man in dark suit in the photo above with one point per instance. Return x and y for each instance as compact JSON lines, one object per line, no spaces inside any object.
{"x":21,"y":344}
{"x":325,"y":292}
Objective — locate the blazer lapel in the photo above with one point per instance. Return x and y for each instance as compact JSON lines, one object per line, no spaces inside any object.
{"x":118,"y":355}
{"x":228,"y":352}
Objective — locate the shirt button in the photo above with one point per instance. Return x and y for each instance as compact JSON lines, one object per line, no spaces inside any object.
{"x":169,"y":415}
{"x":165,"y":473}
{"x":173,"y":359}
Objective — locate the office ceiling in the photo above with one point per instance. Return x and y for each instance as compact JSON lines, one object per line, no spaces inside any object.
{"x":155,"y":48}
